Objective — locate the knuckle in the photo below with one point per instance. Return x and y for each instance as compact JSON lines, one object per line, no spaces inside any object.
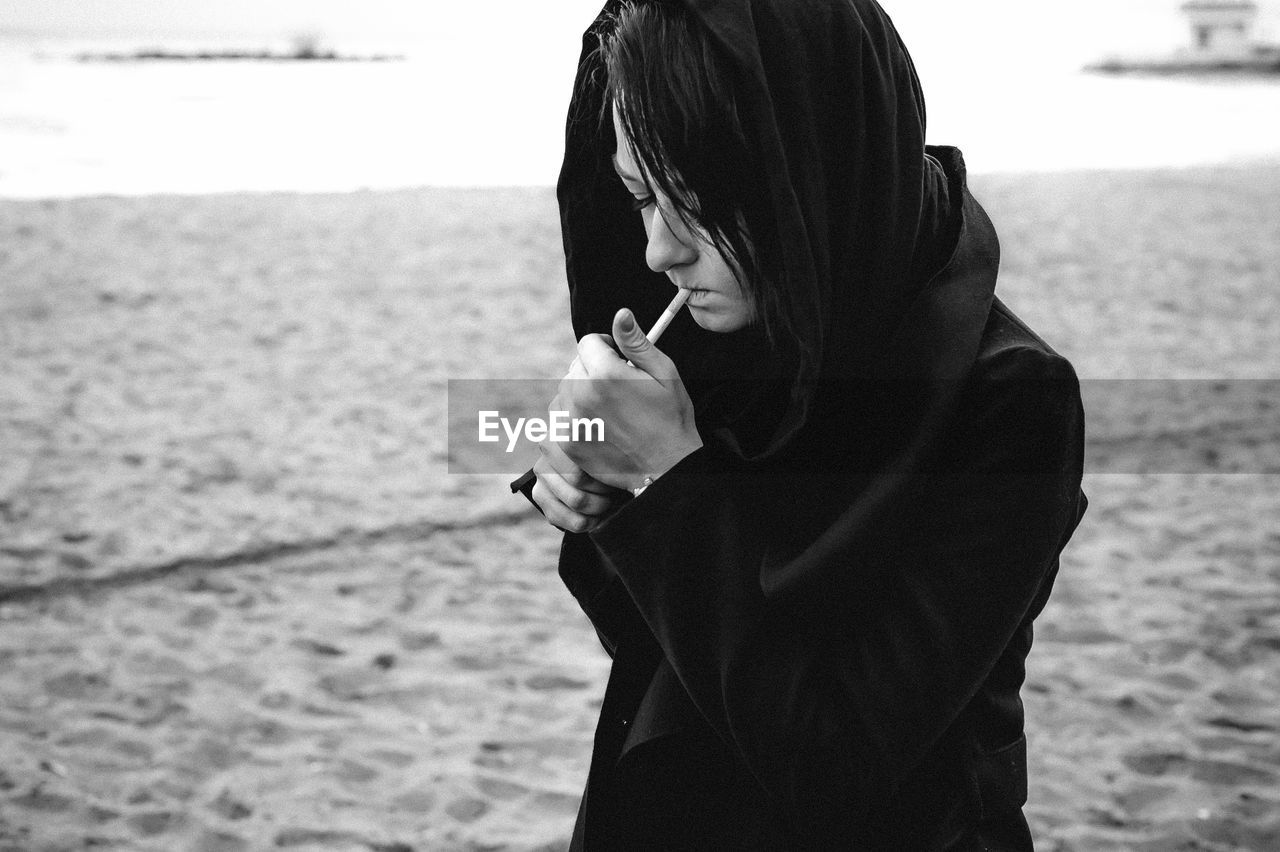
{"x":587,"y":398}
{"x":570,"y":451}
{"x":564,"y":394}
{"x":558,"y":516}
{"x":569,"y":397}
{"x":578,"y":523}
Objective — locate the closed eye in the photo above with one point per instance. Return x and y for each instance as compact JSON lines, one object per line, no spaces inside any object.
{"x":639,"y":204}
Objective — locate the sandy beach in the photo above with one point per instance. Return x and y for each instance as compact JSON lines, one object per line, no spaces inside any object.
{"x":243,"y":604}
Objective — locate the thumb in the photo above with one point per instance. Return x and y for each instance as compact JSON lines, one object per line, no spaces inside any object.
{"x":635,"y":347}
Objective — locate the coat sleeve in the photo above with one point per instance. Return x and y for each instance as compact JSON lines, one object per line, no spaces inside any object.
{"x":592,"y":581}
{"x":830,"y":713}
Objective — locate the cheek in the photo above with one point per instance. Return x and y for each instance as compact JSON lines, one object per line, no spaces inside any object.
{"x":729,"y":310}
{"x":731,"y":279}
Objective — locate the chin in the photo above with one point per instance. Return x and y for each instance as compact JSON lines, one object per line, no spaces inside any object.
{"x":719,"y":323}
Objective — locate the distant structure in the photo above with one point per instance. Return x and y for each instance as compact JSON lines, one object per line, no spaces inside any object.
{"x":1221,"y":30}
{"x":1221,"y":40}
{"x":305,"y":47}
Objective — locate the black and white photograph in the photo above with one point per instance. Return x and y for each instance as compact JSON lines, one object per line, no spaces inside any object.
{"x":639,"y":425}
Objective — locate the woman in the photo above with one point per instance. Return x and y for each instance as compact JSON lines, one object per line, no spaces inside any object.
{"x":830,"y":503}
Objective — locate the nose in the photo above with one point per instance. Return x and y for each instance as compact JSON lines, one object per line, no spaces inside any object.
{"x":666,"y":248}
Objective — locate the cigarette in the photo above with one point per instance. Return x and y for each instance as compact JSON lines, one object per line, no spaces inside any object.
{"x":668,"y":315}
{"x":660,"y":326}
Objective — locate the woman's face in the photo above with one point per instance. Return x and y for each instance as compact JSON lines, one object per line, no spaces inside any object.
{"x":688,"y":257}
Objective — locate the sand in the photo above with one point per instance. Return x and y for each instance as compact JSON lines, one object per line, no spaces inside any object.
{"x":243,"y":604}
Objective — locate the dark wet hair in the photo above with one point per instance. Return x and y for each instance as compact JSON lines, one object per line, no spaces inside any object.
{"x":677,"y":97}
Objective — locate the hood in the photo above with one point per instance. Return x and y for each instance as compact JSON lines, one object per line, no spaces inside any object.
{"x":866,"y":219}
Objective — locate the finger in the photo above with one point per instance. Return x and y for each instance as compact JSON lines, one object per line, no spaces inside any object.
{"x":558,"y":514}
{"x":574,"y":475}
{"x":636,"y":348}
{"x":577,"y":500}
{"x":596,"y":354}
{"x":576,"y":363}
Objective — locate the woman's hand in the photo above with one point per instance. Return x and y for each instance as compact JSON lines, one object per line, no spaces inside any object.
{"x":569,"y":498}
{"x":647,"y":415}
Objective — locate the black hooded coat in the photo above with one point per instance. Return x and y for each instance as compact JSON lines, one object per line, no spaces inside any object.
{"x":819,"y":621}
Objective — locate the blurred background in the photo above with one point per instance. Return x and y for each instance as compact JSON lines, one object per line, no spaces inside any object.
{"x":245,"y":603}
{"x":480,"y":94}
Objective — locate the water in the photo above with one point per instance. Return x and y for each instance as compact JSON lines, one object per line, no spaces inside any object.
{"x":69,"y":128}
{"x":477,"y":104}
